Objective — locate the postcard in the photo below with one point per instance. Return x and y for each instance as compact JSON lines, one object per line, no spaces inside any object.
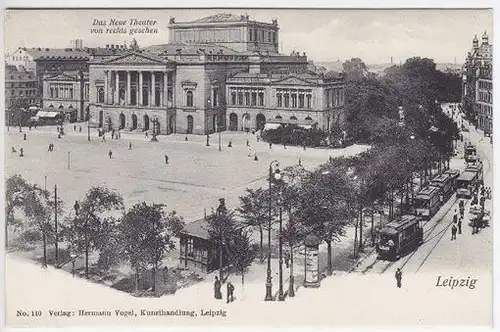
{"x":248,"y":167}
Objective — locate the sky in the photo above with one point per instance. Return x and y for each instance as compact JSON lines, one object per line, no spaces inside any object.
{"x":375,"y":36}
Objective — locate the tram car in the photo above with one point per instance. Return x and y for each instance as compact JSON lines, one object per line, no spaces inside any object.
{"x":478,"y":168}
{"x":446,"y":183}
{"x":470,"y":153}
{"x":427,"y":202}
{"x":400,"y":237}
{"x":455,"y":173}
{"x":467,"y":184}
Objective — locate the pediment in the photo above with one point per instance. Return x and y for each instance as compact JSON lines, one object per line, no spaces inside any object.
{"x":292,"y":80}
{"x":136,"y":58}
{"x":60,"y":77}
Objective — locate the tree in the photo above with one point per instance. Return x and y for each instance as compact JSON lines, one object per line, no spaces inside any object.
{"x":324,"y":205}
{"x":254,"y":208}
{"x":355,"y":70}
{"x":146,"y":232}
{"x":98,"y":211}
{"x":242,"y":254}
{"x":15,"y":190}
{"x":39,"y":208}
{"x":222,"y":230}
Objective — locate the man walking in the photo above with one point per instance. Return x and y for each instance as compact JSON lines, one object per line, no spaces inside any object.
{"x":455,"y":217}
{"x":399,"y":277}
{"x":130,"y":145}
{"x":166,"y":159}
{"x":459,"y":224}
{"x":230,"y":292}
{"x":110,"y":154}
{"x":453,"y":232}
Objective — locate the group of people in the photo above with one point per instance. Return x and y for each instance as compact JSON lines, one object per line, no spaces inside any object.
{"x":79,"y":129}
{"x":21,"y":151}
{"x":457,"y":221}
{"x":218,"y":292}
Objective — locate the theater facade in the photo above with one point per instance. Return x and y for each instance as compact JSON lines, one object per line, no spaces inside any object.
{"x":193,"y":84}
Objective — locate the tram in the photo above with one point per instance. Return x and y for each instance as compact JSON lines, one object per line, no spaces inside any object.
{"x":454,"y":174}
{"x":446,"y":184}
{"x":470,"y":153}
{"x":467,"y":184}
{"x":399,"y":237}
{"x":427,"y":202}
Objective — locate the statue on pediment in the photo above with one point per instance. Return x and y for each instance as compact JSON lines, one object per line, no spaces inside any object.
{"x":134,"y":46}
{"x":172,"y":20}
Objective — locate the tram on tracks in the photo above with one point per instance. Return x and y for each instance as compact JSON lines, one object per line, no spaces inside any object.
{"x":399,"y":237}
{"x":427,"y":202}
{"x":446,"y":184}
{"x":470,"y":152}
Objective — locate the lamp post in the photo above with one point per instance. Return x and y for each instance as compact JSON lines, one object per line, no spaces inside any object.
{"x":281,"y":295}
{"x":72,"y":255}
{"x":88,"y":124}
{"x":20,"y":112}
{"x":269,"y":285}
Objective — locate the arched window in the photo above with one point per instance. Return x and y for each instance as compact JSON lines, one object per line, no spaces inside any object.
{"x":189,"y":98}
{"x":278,"y":117}
{"x":293,"y":118}
{"x":308,"y":118}
{"x":100,"y":95}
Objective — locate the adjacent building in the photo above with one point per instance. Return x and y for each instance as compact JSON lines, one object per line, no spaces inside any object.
{"x":20,"y":87}
{"x":67,"y":93}
{"x":187,"y":85}
{"x":477,"y":92}
{"x":305,"y":99}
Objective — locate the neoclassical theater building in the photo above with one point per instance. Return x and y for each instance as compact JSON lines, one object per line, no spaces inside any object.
{"x":221,"y":72}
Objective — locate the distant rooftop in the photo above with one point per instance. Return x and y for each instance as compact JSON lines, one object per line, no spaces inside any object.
{"x":39,"y":53}
{"x":222,"y":17}
{"x":172,"y":49}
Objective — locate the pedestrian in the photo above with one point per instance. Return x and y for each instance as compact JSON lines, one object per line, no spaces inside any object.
{"x":399,"y":277}
{"x":113,"y":134}
{"x":248,"y":143}
{"x":249,"y":152}
{"x":103,"y":137}
{"x":21,"y":154}
{"x":304,"y":146}
{"x":24,"y":136}
{"x":300,"y":162}
{"x":80,"y":129}
{"x":459,"y":224}
{"x":217,"y":286}
{"x":230,"y":145}
{"x":14,"y":150}
{"x":130,"y":145}
{"x":230,"y":292}
{"x":255,"y":157}
{"x":146,"y":134}
{"x":453,"y":232}
{"x":284,"y":145}
{"x":59,"y":135}
{"x":166,"y":159}
{"x":110,"y":154}
{"x":270,"y":145}
{"x":258,"y":138}
{"x":455,"y":217}
{"x":50,"y":144}
{"x":330,"y":159}
{"x":186,"y":138}
{"x":74,"y":128}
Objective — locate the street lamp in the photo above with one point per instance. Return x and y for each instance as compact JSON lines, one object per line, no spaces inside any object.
{"x":73,"y":256}
{"x":272,"y":174}
{"x":19,"y":111}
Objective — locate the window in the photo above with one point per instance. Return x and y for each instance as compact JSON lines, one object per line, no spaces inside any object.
{"x":308,"y":97}
{"x":301,"y":101}
{"x":287,"y":100}
{"x":240,"y":98}
{"x":215,"y":96}
{"x":70,"y":93}
{"x":247,"y":98}
{"x":233,"y":98}
{"x":269,"y":36}
{"x":279,"y":99}
{"x":294,"y":101}
{"x":254,"y":98}
{"x":261,"y":98}
{"x":189,"y":98}
{"x":190,"y":245}
{"x":100,"y":95}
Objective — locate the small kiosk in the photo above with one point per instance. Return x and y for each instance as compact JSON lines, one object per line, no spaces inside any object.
{"x":311,"y":269}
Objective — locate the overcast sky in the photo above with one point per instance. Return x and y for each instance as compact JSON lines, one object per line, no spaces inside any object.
{"x":325,"y":35}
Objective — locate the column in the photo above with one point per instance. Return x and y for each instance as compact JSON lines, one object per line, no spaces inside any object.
{"x":165,"y":89}
{"x":152,"y":93}
{"x":117,"y":93}
{"x":140,"y":88}
{"x":106,"y":83}
{"x":128,"y":88}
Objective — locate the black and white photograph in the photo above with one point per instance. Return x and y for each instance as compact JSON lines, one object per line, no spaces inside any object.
{"x":276,"y":167}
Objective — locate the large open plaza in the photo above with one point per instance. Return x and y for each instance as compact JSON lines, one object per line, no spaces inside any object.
{"x":195,"y":178}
